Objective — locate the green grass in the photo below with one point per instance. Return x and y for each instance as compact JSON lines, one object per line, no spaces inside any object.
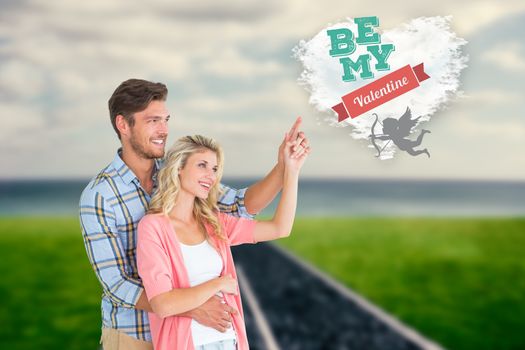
{"x":460,"y":282}
{"x":49,"y":293}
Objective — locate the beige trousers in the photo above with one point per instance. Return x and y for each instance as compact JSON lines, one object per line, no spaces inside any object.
{"x":114,"y":340}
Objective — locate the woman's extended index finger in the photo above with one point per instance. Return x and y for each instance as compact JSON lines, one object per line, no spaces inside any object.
{"x":294,"y":131}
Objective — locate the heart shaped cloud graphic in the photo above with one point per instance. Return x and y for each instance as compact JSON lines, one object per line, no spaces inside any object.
{"x":427,"y":40}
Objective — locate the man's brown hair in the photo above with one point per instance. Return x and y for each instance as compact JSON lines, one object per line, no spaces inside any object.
{"x":133,"y":96}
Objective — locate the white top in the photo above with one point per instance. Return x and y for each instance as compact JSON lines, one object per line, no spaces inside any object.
{"x":203,"y":263}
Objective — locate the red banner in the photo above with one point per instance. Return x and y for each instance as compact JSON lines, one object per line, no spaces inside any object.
{"x":380,"y":91}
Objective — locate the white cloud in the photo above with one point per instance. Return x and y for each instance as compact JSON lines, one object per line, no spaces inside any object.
{"x":20,"y":79}
{"x":231,"y":64}
{"x":492,"y":96}
{"x":282,"y":95}
{"x":471,"y":16}
{"x":213,"y":11}
{"x":20,"y":125}
{"x":508,"y":56}
{"x":490,"y":130}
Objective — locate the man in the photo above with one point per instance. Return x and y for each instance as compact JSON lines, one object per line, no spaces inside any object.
{"x":117,"y":198}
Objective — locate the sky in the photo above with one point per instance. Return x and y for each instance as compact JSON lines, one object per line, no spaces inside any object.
{"x":231,"y":74}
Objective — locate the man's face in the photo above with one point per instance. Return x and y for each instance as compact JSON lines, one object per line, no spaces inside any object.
{"x":149,"y":133}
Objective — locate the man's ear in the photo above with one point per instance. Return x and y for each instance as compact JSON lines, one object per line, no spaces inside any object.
{"x":122,"y":125}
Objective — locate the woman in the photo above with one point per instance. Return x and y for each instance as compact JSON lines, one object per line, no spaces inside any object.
{"x":183,"y":249}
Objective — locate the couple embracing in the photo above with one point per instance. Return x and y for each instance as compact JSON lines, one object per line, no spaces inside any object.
{"x":158,"y":227}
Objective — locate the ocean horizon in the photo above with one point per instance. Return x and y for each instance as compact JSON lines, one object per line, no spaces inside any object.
{"x":317,"y":197}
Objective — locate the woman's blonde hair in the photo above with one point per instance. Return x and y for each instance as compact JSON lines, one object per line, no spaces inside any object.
{"x":168,"y":183}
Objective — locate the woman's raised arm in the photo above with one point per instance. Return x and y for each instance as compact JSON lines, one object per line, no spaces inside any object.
{"x":281,"y":223}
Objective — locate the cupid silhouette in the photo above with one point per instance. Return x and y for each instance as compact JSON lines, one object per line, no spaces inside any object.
{"x":396,"y":131}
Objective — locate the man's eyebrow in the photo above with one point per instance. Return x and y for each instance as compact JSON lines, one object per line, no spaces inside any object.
{"x":157,"y":117}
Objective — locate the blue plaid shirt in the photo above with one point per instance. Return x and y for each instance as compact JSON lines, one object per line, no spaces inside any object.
{"x":111,"y":206}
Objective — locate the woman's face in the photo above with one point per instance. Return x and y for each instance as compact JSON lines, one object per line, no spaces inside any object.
{"x":199,"y":174}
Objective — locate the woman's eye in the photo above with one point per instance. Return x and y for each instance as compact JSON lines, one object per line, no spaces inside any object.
{"x":202,"y":165}
{"x":215,"y":170}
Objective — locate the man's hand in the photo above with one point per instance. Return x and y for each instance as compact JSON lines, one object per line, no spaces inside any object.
{"x":298,"y":139}
{"x":214,"y":313}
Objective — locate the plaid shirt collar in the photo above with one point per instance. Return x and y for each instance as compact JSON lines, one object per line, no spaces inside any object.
{"x":127,"y":175}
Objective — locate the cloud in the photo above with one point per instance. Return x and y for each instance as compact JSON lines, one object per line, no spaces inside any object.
{"x":471,"y":16}
{"x":19,"y":124}
{"x":211,"y":11}
{"x":244,"y":103}
{"x":20,"y":79}
{"x":492,"y":96}
{"x":231,"y":64}
{"x":508,"y":56}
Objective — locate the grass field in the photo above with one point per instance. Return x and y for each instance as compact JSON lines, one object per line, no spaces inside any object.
{"x":458,"y":281}
{"x":50,"y":295}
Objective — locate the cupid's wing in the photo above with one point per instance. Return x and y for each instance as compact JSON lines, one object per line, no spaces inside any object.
{"x":405,"y":123}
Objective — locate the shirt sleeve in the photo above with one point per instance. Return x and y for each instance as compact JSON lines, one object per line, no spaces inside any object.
{"x":153,"y":261}
{"x":238,"y":230}
{"x":231,"y":201}
{"x":105,"y":250}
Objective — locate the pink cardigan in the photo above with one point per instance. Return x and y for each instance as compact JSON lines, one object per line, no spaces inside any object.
{"x":161,"y":268}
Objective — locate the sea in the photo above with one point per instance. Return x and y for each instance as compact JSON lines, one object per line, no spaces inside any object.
{"x":317,"y":198}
